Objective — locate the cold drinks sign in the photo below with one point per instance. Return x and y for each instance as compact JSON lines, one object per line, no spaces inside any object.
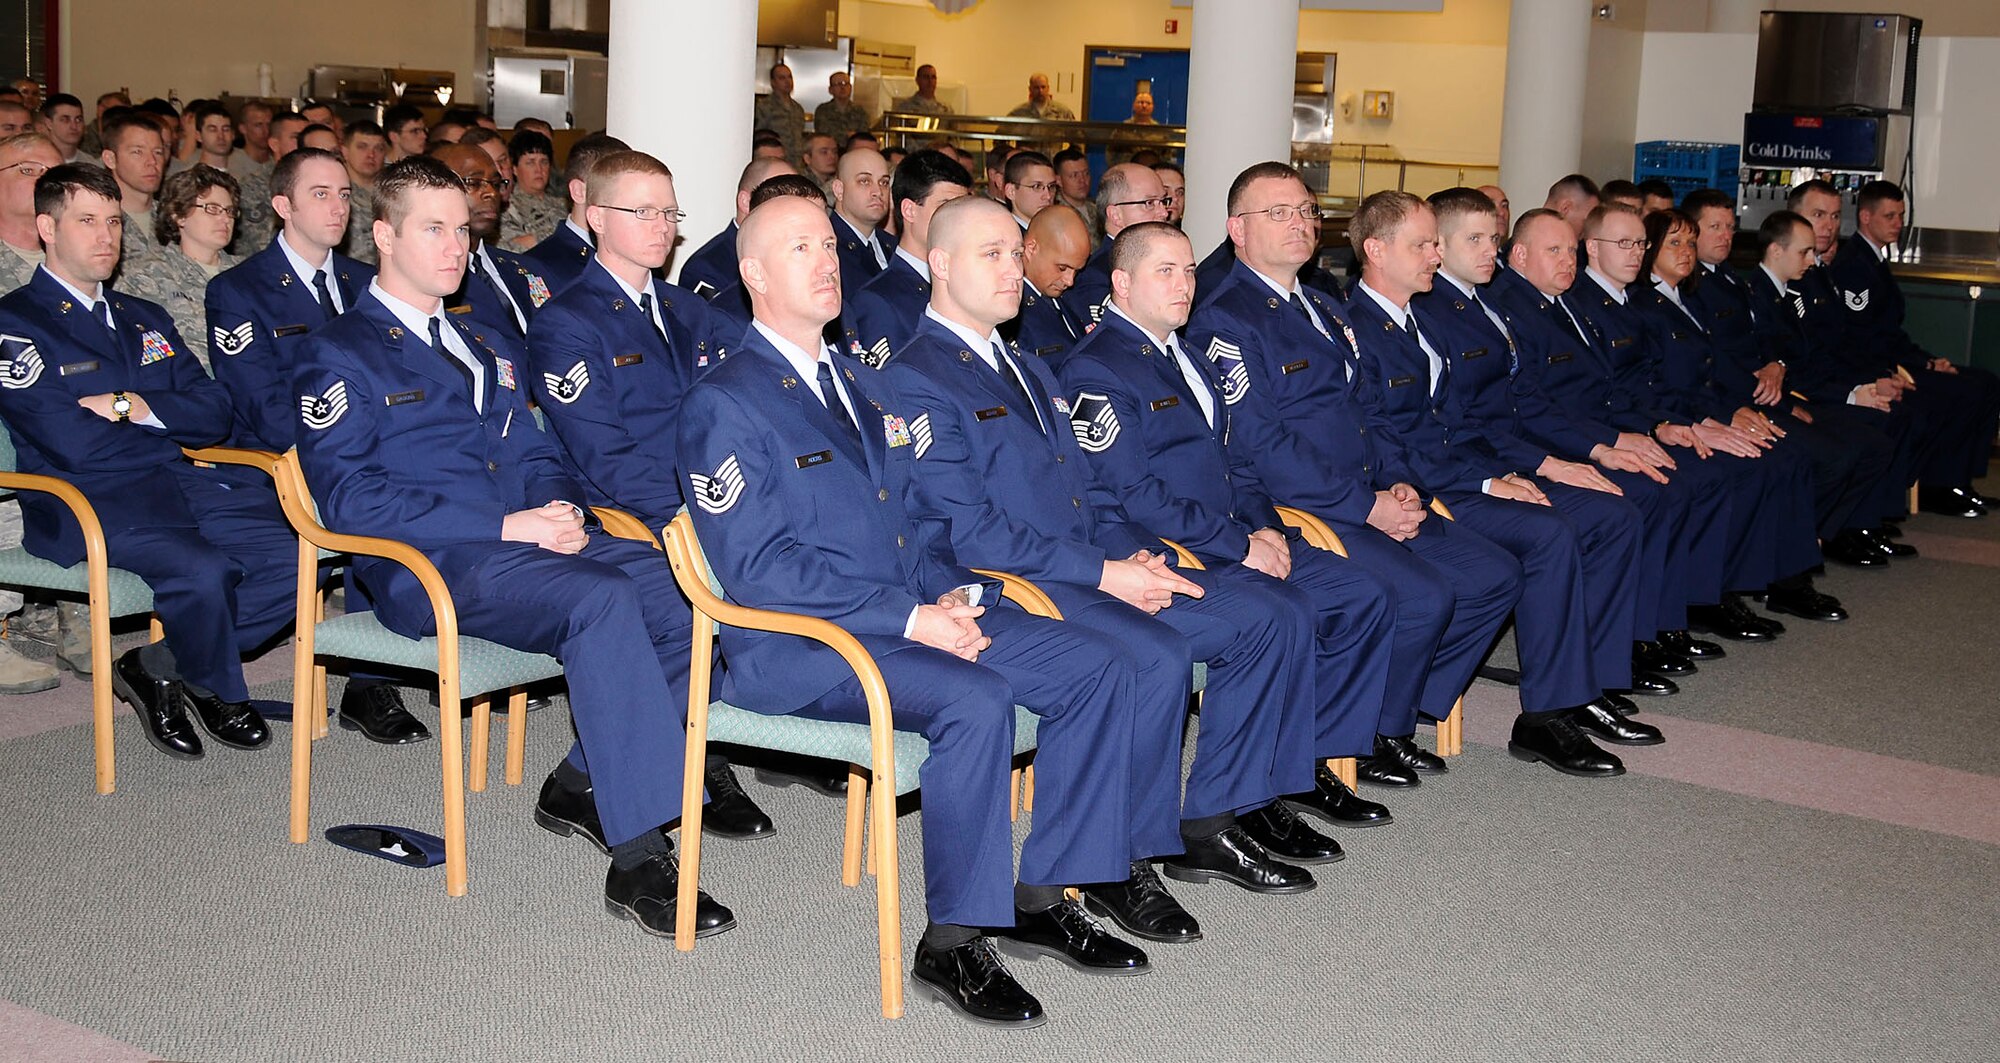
{"x":1821,"y":141}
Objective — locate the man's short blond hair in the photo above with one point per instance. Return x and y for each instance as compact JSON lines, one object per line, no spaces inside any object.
{"x":606,"y":171}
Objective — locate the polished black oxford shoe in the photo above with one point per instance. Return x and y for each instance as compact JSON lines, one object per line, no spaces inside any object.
{"x":649,"y":896}
{"x":730,"y":812}
{"x":970,"y":980}
{"x":564,"y":812}
{"x":1625,"y":706}
{"x":1853,"y":549}
{"x":160,"y":705}
{"x":1655,"y":659}
{"x":1724,"y":623}
{"x":1142,"y":906}
{"x":1805,"y":603}
{"x":1885,"y":544}
{"x":1950,"y":502}
{"x":1554,"y":739}
{"x":1283,"y":834}
{"x":1234,"y":857}
{"x":233,"y":723}
{"x":1405,"y":751}
{"x":1384,"y":771}
{"x":1652,"y":686}
{"x":1606,"y":722}
{"x":1692,"y":648}
{"x":376,"y":710}
{"x":1065,"y":932}
{"x":1331,"y":800}
{"x":818,"y":774}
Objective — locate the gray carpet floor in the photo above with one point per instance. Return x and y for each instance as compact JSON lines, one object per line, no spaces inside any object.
{"x":1509,"y":913}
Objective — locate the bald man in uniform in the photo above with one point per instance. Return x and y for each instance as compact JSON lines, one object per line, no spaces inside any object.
{"x":1056,"y":246}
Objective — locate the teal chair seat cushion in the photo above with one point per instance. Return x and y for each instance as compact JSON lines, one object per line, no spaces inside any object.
{"x":844,"y":742}
{"x":482,"y":666}
{"x":19,"y":568}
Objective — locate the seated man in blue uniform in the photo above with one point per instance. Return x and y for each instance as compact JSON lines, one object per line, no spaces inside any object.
{"x":1149,"y":415}
{"x":411,"y":429}
{"x":97,"y":388}
{"x":800,"y":467}
{"x":608,"y":361}
{"x":730,"y":302}
{"x":562,"y":255}
{"x":1127,"y":194}
{"x":1775,"y":547}
{"x":998,"y":463}
{"x":1492,"y":405}
{"x":1967,"y":396}
{"x":501,"y":291}
{"x":259,"y":313}
{"x":1306,"y":414}
{"x":888,"y":308}
{"x":1053,"y":247}
{"x":1751,"y":371}
{"x":1578,"y":557}
{"x":713,"y":264}
{"x":860,"y":205}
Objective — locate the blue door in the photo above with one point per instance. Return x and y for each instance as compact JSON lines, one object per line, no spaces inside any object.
{"x":1114,"y":75}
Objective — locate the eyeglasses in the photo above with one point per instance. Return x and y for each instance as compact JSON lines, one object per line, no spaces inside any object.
{"x":29,"y":170}
{"x":1155,"y":203}
{"x":216,"y":210}
{"x":1285,"y":212}
{"x":1040,"y":186}
{"x":1624,"y":245}
{"x":672,"y":214}
{"x":472,"y":183}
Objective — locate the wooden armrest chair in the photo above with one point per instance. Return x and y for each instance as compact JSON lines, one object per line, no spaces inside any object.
{"x":465,"y":666}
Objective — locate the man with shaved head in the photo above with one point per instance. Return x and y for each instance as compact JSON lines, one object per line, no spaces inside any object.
{"x":955,"y":658}
{"x":860,"y":204}
{"x":1002,"y":465}
{"x":1127,"y":195}
{"x":1055,"y":246}
{"x":501,"y":290}
{"x":713,"y":265}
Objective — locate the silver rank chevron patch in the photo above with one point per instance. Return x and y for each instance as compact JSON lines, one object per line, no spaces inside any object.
{"x":878,"y":355}
{"x":920,"y":434}
{"x":1228,"y":360}
{"x":20,"y":364}
{"x":718,"y":493}
{"x":1094,"y":421}
{"x":232,"y":341}
{"x":567,"y":387}
{"x":320,"y":411}
{"x":1856,"y":301}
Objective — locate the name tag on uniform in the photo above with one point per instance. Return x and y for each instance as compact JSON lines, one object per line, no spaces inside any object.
{"x":624,"y":360}
{"x":288,"y":330}
{"x":401,"y":397}
{"x":1558,"y":359}
{"x":1622,"y":341}
{"x":1044,"y":352}
{"x":1401,"y":381}
{"x":817,"y":457}
{"x":989,"y":414}
{"x":1167,"y":403}
{"x":466,"y":309}
{"x":1294,"y":367}
{"x":74,"y":368}
{"x":1477,"y":352}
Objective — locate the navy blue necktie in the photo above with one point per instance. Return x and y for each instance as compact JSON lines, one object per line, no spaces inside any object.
{"x":437,"y":344}
{"x":325,"y":297}
{"x":831,"y":396}
{"x":1019,"y":387}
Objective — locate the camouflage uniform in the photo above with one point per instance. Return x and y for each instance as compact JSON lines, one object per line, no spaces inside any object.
{"x":360,"y":244}
{"x":139,"y":238}
{"x":257,"y":222}
{"x":919,"y":105}
{"x":180,"y":284}
{"x":15,"y":268}
{"x":1049,"y":110}
{"x":782,"y":115}
{"x":839,"y":120}
{"x":532,"y":214}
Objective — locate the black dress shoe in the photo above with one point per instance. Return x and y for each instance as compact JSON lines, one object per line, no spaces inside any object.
{"x":376,"y":710}
{"x":1852,"y":549}
{"x":1554,"y":739}
{"x":1724,"y":624}
{"x":1066,"y":932}
{"x":1652,"y":686}
{"x":730,"y":812}
{"x":1331,"y":800}
{"x":1283,"y":834}
{"x":159,"y":703}
{"x":1886,"y":546}
{"x":1624,"y":705}
{"x":1653,"y":658}
{"x":564,"y":812}
{"x":1949,"y":502}
{"x":1890,"y":529}
{"x":832,"y":781}
{"x":1406,"y":752}
{"x":1384,"y":771}
{"x":1143,"y":907}
{"x":1805,"y":603}
{"x":649,"y":896}
{"x":233,"y":723}
{"x":1692,"y":648}
{"x":970,"y":980}
{"x":1232,"y":856}
{"x":1605,"y":721}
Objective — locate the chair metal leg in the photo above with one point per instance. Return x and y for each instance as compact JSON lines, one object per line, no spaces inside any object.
{"x":517,"y":734}
{"x":482,"y":733}
{"x":857,"y":820}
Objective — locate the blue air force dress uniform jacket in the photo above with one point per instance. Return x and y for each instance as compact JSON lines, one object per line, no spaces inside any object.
{"x":1574,"y":619}
{"x":801,"y":513}
{"x":1301,"y":409}
{"x":1158,"y":441}
{"x":1214,"y":269}
{"x":259,"y":313}
{"x":401,"y":439}
{"x":219,"y":573}
{"x":1045,"y":327}
{"x":713,"y":264}
{"x":886,"y":312}
{"x":560,"y":257}
{"x":1092,"y":287}
{"x":1000,"y":465}
{"x":858,"y":265}
{"x":501,"y":291}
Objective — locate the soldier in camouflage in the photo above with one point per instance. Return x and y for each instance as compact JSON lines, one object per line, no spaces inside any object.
{"x":781,"y":114}
{"x":536,"y":208}
{"x":197,"y":219}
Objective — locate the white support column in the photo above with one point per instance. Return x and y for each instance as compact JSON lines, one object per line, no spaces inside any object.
{"x":1541,"y":119}
{"x":681,"y":87}
{"x":1239,"y":102}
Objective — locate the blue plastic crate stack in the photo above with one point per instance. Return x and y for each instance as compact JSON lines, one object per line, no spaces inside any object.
{"x":1687,"y":165}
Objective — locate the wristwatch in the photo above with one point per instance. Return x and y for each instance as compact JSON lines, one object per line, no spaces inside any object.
{"x":121,"y":404}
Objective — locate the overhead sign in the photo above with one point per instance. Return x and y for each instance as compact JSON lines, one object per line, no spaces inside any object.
{"x":1821,"y":141}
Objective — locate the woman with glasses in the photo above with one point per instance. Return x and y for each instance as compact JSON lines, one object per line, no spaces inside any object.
{"x":196,"y":219}
{"x":536,"y":209}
